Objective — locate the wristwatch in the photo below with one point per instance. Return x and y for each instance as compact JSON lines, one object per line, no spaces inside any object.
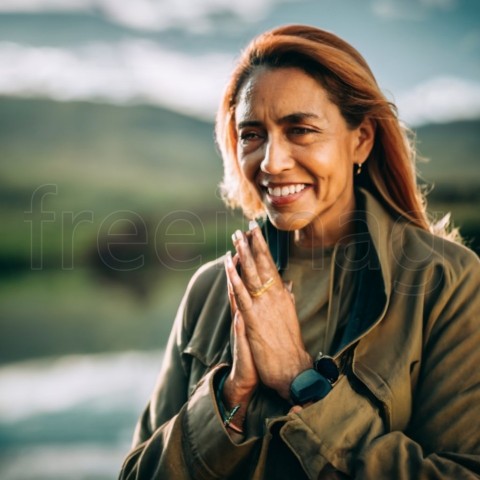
{"x":315,"y":383}
{"x":326,"y":366}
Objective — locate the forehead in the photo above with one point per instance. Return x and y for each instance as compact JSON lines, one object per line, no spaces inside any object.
{"x":279,"y":92}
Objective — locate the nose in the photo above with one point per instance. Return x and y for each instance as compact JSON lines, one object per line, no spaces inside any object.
{"x":277,"y":157}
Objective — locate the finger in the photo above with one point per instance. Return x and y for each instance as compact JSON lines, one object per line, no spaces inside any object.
{"x":250,"y":274}
{"x":231,"y":299}
{"x":296,"y":409}
{"x":261,"y":253}
{"x":242,"y":297}
{"x":231,"y":295}
{"x":288,"y":285}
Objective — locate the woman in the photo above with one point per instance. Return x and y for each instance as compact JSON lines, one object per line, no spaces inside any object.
{"x":345,"y":264}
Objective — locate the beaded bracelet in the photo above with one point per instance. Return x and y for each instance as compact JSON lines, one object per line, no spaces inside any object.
{"x":227,"y":416}
{"x":235,"y":428}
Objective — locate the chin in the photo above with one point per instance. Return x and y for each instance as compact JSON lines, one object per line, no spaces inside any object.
{"x":290,"y":222}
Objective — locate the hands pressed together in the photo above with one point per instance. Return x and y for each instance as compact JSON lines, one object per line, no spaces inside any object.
{"x":268,"y":346}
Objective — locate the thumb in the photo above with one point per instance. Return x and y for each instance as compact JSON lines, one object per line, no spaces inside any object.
{"x":241,"y":340}
{"x":243,"y":358}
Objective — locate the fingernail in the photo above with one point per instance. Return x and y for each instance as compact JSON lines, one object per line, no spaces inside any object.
{"x":228,"y":259}
{"x":237,"y":236}
{"x":252,"y":224}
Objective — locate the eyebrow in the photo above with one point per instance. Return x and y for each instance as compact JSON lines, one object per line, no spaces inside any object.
{"x":290,"y":118}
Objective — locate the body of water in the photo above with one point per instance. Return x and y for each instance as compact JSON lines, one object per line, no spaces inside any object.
{"x":72,"y":417}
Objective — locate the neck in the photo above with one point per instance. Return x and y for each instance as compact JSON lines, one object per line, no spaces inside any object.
{"x":328,"y":230}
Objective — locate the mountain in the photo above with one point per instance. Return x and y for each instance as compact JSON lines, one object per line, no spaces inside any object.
{"x":450,"y":153}
{"x":46,"y":140}
{"x":47,"y":136}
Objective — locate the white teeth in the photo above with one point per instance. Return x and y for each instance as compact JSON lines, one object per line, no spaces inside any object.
{"x":286,"y":190}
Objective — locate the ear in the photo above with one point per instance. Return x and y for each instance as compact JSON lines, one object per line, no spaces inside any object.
{"x":364,"y":140}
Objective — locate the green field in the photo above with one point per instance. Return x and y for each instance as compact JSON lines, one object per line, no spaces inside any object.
{"x":106,"y":211}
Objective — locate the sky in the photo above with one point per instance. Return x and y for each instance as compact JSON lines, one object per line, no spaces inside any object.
{"x":179,"y":53}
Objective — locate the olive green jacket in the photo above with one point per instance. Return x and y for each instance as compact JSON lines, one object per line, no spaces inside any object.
{"x":407,"y":405}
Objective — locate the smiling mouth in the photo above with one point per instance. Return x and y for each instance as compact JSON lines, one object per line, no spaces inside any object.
{"x":285,"y":190}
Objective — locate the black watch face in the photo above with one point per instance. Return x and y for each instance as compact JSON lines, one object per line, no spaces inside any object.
{"x":327,"y":367}
{"x":309,"y":386}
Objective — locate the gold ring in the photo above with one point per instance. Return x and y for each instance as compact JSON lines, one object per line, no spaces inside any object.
{"x":263,"y":288}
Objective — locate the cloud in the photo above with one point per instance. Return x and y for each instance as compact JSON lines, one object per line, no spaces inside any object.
{"x":137,"y":71}
{"x":130,"y":71}
{"x":45,"y":5}
{"x":440,"y":100}
{"x":153,"y":14}
{"x":409,"y":9}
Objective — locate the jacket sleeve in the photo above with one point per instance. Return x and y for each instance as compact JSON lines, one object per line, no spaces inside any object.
{"x":180,"y":435}
{"x":442,"y":440}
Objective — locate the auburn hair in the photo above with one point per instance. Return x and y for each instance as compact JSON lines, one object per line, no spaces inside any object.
{"x":389,"y":172}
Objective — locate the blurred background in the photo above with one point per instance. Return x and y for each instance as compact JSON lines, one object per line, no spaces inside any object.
{"x":108,"y":187}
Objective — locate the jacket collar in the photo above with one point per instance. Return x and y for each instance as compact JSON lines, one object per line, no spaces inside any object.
{"x":371,"y":268}
{"x":380,"y":225}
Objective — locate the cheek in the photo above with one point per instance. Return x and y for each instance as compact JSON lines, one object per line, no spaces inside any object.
{"x":249,"y":171}
{"x":336,"y":165}
{"x":249,"y":167}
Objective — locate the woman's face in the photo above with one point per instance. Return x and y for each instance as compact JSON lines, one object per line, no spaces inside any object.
{"x":298,"y":152}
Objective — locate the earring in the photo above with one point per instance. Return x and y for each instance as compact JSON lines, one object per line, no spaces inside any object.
{"x":359,"y":169}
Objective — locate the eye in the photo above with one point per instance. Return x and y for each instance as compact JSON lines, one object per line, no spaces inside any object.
{"x":249,"y":136}
{"x":301,"y":130}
